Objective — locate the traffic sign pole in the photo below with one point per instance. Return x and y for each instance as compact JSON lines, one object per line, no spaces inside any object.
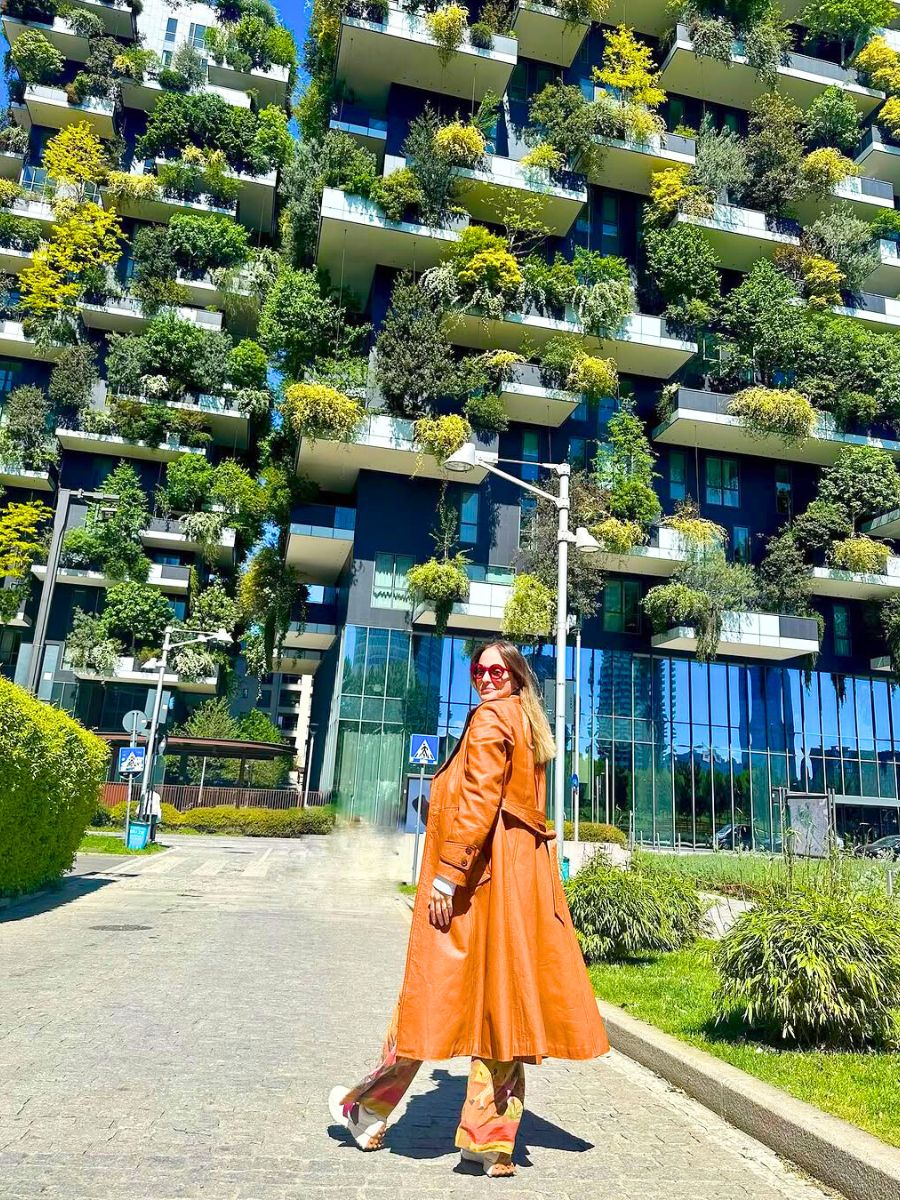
{"x":422,"y":753}
{"x":131,"y":742}
{"x":415,"y":865}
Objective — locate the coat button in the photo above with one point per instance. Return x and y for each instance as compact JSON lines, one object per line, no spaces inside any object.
{"x":465,"y":862}
{"x":470,"y":850}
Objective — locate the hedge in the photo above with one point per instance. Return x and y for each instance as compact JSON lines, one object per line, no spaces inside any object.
{"x":226,"y":818}
{"x":51,"y":772}
{"x":593,"y":831}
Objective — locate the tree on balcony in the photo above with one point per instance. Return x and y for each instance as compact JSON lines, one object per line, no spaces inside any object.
{"x":136,"y":614}
{"x":25,"y":436}
{"x":110,"y":538}
{"x":186,"y":358}
{"x":414,"y":365}
{"x":23,"y":541}
{"x":35,"y":58}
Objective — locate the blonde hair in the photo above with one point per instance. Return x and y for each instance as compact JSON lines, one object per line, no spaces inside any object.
{"x":523,"y":679}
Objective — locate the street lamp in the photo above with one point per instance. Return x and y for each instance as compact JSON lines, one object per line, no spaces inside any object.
{"x":466,"y":459}
{"x":221,"y":635}
{"x":41,"y":620}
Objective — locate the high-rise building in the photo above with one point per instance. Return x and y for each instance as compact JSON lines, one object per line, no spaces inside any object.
{"x":664,"y":252}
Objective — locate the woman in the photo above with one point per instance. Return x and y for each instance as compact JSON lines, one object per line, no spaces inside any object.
{"x":493,"y":969}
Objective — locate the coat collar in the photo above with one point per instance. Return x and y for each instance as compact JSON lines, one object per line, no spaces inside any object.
{"x":469,"y":716}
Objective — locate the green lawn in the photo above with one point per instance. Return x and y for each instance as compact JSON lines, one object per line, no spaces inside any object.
{"x":108,"y":843}
{"x":747,"y":875}
{"x":674,"y":992}
{"x":408,"y":889}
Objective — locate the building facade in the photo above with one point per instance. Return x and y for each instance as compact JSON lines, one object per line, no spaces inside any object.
{"x":691,"y":223}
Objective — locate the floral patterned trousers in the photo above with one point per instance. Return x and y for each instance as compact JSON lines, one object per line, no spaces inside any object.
{"x":492,"y":1108}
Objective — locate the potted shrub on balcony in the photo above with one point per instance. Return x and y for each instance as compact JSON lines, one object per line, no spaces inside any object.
{"x":442,"y":436}
{"x":316,"y":410}
{"x":530,"y":610}
{"x":859,"y":554}
{"x":441,"y":583}
{"x":784,"y":413}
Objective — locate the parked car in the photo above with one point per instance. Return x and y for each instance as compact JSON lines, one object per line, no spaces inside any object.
{"x":886,"y":847}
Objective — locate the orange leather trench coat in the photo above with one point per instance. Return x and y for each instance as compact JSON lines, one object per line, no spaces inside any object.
{"x":507,"y":979}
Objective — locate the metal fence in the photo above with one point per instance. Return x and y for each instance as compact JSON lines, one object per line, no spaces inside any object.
{"x":185,"y":796}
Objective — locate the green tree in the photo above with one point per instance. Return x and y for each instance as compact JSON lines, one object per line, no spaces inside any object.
{"x":863,"y":481}
{"x":242,"y":497}
{"x":299,"y":321}
{"x":847,"y":241}
{"x":267,"y":591}
{"x":188,"y":486}
{"x":685,"y":270}
{"x":136,"y":614}
{"x":625,"y":468}
{"x":846,"y":20}
{"x":415,"y":364}
{"x":73,"y":378}
{"x":774,"y":153}
{"x":212,"y":719}
{"x":214,"y":609}
{"x":248,"y":365}
{"x":35,"y":58}
{"x":202,"y":241}
{"x":766,"y":329}
{"x":832,"y":119}
{"x":27,"y":413}
{"x":255,"y":726}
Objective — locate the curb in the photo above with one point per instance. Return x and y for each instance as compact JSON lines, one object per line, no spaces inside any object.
{"x":9,"y":901}
{"x":831,"y":1150}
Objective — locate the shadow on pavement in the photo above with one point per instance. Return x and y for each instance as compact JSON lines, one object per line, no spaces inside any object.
{"x":63,"y":893}
{"x":428,"y":1127}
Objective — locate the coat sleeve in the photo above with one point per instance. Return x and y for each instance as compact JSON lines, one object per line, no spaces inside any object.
{"x":488,"y":750}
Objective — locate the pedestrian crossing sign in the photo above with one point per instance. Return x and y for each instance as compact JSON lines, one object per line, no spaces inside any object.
{"x":131,"y":760}
{"x":423,"y":749}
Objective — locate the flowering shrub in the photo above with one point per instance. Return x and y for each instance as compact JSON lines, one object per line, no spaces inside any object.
{"x":530,"y":609}
{"x":824,"y":169}
{"x":442,"y":436}
{"x":316,"y":410}
{"x":879,"y":65}
{"x":860,"y":554}
{"x":618,"y":536}
{"x":463,"y":145}
{"x":448,"y":28}
{"x":544,"y":157}
{"x":594,"y":377}
{"x":782,"y":413}
{"x":440,"y":583}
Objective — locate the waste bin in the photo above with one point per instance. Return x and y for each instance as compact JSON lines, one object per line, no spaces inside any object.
{"x":138,"y":832}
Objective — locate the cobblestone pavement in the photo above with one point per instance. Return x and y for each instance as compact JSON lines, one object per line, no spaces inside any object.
{"x":170,"y":1027}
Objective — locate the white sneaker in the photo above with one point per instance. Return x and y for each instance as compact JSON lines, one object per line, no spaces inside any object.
{"x":364,"y":1126}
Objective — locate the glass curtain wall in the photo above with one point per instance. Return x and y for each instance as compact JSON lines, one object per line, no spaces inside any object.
{"x":678,"y":751}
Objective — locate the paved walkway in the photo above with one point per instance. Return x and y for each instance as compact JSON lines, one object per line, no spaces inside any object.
{"x":170,"y":1027}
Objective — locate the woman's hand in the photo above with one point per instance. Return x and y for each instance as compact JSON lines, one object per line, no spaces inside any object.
{"x":440,"y":909}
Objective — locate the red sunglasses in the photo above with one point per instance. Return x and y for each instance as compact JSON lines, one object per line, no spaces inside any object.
{"x":496,"y":672}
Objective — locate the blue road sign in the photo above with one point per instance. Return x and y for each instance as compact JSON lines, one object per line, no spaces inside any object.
{"x":575,"y":781}
{"x":423,"y":749}
{"x":131,"y":760}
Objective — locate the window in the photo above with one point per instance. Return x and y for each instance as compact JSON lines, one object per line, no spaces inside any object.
{"x":518,"y":83}
{"x":676,"y":113}
{"x":722,"y":482}
{"x":171,"y":29}
{"x":167,"y":58}
{"x":389,"y":582}
{"x":527,"y":505}
{"x":622,"y":606}
{"x":783,"y":497}
{"x":609,"y":224}
{"x":677,"y":475}
{"x":197,"y":36}
{"x":740,"y":544}
{"x":468,"y":514}
{"x":543,"y":76}
{"x":577,"y":453}
{"x":842,"y":644}
{"x":531,"y":452}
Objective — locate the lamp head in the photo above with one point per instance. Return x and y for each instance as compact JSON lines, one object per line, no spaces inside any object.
{"x":585,"y":542}
{"x":222,"y":635}
{"x":462,"y":460}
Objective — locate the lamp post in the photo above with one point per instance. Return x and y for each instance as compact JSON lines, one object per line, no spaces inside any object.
{"x":466,"y":459}
{"x":41,"y":620}
{"x":221,"y":635}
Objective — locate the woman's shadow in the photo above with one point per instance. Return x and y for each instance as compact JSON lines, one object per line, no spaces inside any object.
{"x":427,"y":1127}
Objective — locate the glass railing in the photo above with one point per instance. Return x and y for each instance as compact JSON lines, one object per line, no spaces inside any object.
{"x":317,"y":518}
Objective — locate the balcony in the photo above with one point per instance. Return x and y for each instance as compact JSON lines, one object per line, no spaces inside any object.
{"x":143,"y":95}
{"x":544,"y":34}
{"x":886,"y":276}
{"x":372,"y":55}
{"x":49,"y":106}
{"x":355,"y":237}
{"x":488,"y":192}
{"x":14,"y":476}
{"x":59,"y":32}
{"x":166,"y":578}
{"x":308,"y":635}
{"x":643,"y":346}
{"x":255,"y":206}
{"x":11,"y":164}
{"x":368,"y":131}
{"x":228,"y":425}
{"x":298,"y":661}
{"x":737,"y":84}
{"x":383,"y":443}
{"x":129,"y":670}
{"x":112,"y":446}
{"x":629,"y":166}
{"x":856,"y":585}
{"x":13,"y":261}
{"x":14,"y":344}
{"x":750,"y":635}
{"x":879,"y":312}
{"x":125,"y":314}
{"x":489,"y":590}
{"x":740,"y":236}
{"x":117,"y":17}
{"x":161,"y":206}
{"x":881,"y":663}
{"x":320,"y":540}
{"x":20,"y":620}
{"x":164,"y":533}
{"x":702,"y":420}
{"x":885,"y":526}
{"x":528,"y":400}
{"x":271,"y":86}
{"x":866,"y":197}
{"x":878,"y":157}
{"x":661,"y":556}
{"x":646,"y":16}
